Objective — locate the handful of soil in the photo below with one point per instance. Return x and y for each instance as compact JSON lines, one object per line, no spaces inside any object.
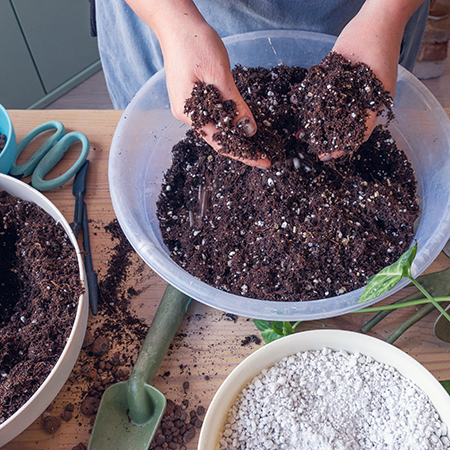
{"x":334,"y":100}
{"x":268,"y":93}
{"x":301,"y":230}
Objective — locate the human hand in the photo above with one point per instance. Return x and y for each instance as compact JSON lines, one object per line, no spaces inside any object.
{"x":336,"y":96}
{"x":201,"y":56}
{"x":193,"y":52}
{"x":374,"y":37}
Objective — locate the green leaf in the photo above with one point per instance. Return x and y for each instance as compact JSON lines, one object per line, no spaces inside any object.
{"x":446,"y":384}
{"x":278,"y":328}
{"x":267,"y":332}
{"x":282,"y":328}
{"x":287,"y":329}
{"x":271,"y":331}
{"x":387,"y":278}
{"x":262,"y":325}
{"x":270,"y":336}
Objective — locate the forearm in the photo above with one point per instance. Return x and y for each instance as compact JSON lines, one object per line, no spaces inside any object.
{"x":166,"y":17}
{"x":180,"y":29}
{"x":386,"y":19}
{"x":374,"y":36}
{"x":394,"y":11}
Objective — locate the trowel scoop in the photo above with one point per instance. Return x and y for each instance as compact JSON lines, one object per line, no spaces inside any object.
{"x":130,"y":411}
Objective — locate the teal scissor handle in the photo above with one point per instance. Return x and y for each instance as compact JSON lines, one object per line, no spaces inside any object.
{"x":48,"y":155}
{"x":53,"y":156}
{"x":27,"y":169}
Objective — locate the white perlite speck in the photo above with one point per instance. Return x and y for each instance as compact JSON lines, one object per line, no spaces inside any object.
{"x":329,"y":400}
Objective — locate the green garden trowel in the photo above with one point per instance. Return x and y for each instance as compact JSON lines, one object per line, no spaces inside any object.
{"x":130,"y":411}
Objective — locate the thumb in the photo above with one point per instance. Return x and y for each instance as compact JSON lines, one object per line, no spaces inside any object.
{"x":244,"y":120}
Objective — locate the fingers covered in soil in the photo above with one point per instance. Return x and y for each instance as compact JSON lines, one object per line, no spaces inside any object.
{"x":218,"y":122}
{"x":268,"y":94}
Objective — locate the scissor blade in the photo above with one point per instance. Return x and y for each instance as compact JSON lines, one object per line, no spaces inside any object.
{"x":79,"y":183}
{"x":90,"y":274}
{"x":79,"y":190}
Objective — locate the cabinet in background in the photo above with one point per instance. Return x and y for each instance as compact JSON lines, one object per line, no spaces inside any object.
{"x":46,"y":50}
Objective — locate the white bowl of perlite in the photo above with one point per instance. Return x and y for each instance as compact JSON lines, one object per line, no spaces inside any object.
{"x":328,"y":389}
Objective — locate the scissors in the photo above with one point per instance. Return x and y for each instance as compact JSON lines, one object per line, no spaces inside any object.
{"x":48,"y":155}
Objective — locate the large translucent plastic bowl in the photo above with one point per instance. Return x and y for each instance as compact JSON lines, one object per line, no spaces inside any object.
{"x":146,"y":133}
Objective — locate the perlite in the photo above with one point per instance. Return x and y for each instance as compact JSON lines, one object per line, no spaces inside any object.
{"x":332,"y":400}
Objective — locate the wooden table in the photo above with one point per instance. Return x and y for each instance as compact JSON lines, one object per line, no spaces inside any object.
{"x":212,"y":344}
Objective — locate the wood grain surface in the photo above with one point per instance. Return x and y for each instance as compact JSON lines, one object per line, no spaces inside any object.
{"x":209,"y":344}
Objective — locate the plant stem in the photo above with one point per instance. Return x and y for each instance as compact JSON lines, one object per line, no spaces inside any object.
{"x":421,"y":301}
{"x":410,"y":322}
{"x":382,"y":314}
{"x":431,"y":298}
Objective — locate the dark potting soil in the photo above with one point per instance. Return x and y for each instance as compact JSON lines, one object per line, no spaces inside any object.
{"x":39,"y":291}
{"x":113,"y":340}
{"x":268,"y":94}
{"x":301,"y":230}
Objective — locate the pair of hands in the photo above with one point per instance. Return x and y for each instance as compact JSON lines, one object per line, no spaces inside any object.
{"x":194,"y":52}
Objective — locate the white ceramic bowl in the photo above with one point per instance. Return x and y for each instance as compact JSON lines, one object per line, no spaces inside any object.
{"x":349,"y":341}
{"x":37,"y":404}
{"x":141,"y":153}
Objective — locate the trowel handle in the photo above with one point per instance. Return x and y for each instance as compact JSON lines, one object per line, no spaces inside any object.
{"x":167,"y":319}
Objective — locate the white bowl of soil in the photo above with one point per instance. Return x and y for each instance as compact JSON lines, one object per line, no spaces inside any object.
{"x":328,"y":389}
{"x":60,"y":371}
{"x":146,"y":133}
